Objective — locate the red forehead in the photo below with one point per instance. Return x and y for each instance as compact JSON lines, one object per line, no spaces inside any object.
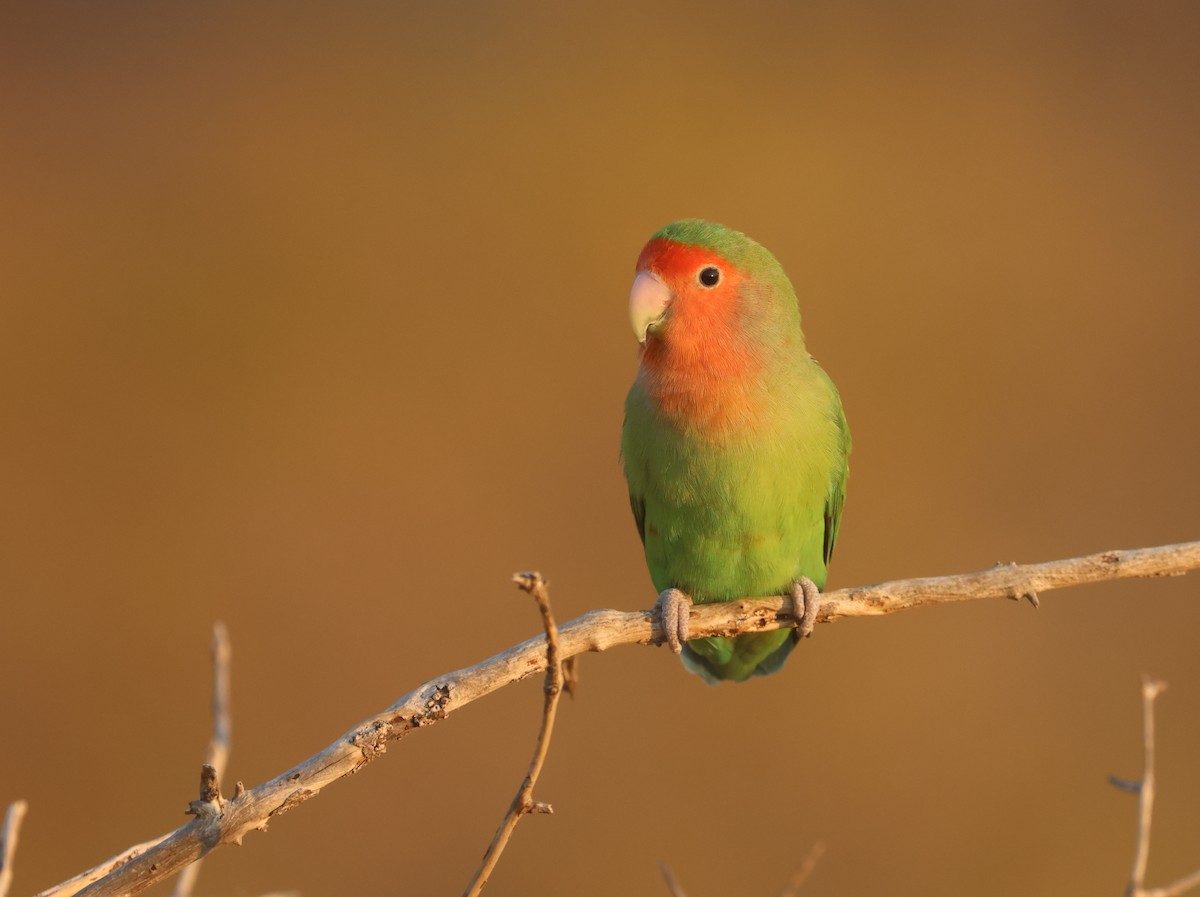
{"x":668,"y":258}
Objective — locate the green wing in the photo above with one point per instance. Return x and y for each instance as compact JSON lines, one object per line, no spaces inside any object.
{"x":836,"y":498}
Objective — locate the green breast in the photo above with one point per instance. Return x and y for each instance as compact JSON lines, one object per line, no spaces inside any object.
{"x":736,"y":517}
{"x":728,"y":522}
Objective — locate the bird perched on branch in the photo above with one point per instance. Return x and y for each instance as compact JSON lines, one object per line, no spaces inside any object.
{"x":735,"y":444}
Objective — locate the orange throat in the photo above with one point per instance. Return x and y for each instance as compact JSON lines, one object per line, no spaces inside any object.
{"x":714,"y":392}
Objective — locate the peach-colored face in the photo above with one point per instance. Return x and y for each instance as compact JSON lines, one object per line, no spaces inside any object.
{"x":685,"y":306}
{"x":685,"y":294}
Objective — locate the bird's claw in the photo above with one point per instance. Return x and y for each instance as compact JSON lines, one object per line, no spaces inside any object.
{"x":673,"y":608}
{"x":806,"y":601}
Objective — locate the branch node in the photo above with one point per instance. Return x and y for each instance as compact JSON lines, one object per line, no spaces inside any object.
{"x":1017,"y":591}
{"x":570,"y":676}
{"x":1129,"y":785}
{"x":435,"y":708}
{"x":372,"y":741}
{"x":210,"y":804}
{"x":210,"y":788}
{"x":1152,"y":688}
{"x":529,"y":581}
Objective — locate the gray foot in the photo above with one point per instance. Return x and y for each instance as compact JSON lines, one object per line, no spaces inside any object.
{"x":673,"y":608}
{"x":806,"y":601}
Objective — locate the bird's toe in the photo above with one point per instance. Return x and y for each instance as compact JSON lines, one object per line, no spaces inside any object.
{"x":673,"y":608}
{"x":806,"y":601}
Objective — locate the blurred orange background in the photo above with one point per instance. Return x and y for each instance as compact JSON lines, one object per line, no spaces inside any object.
{"x":312,"y":320}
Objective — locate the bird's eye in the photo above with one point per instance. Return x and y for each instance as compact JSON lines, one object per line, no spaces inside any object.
{"x":710,"y":276}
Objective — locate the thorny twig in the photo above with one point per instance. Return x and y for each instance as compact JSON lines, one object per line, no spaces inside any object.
{"x":8,"y":841}
{"x":1144,"y":789}
{"x":137,"y":868}
{"x":217,"y":756}
{"x":523,"y":802}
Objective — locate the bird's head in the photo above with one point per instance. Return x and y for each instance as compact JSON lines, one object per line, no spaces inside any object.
{"x":702,"y":287}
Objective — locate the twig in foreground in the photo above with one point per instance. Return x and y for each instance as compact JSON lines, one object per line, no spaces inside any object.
{"x":217,"y":756}
{"x":791,"y":889}
{"x":523,"y":802}
{"x":8,"y":841}
{"x":673,"y":884}
{"x":803,"y":871}
{"x":139,"y":867}
{"x":1151,"y":689}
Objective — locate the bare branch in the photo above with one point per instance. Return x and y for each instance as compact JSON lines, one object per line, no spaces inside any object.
{"x":523,"y":802}
{"x":219,"y":745}
{"x":594,"y":631}
{"x":1150,"y":691}
{"x":217,"y":756}
{"x":77,"y":883}
{"x":803,"y":871}
{"x":1013,"y":581}
{"x":673,"y":884}
{"x":1182,"y":886}
{"x":1145,"y":791}
{"x":8,"y":841}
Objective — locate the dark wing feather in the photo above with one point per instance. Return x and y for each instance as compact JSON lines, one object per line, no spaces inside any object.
{"x":638,"y":504}
{"x":836,"y":497}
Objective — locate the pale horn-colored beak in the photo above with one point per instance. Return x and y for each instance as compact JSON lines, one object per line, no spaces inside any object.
{"x":648,"y":303}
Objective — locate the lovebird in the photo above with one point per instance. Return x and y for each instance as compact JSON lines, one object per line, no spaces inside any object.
{"x":735,"y":445}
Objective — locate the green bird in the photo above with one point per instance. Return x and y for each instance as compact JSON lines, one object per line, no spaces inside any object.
{"x":735,"y":444}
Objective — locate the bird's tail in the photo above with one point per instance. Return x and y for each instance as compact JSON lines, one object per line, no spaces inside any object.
{"x":737,"y":659}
